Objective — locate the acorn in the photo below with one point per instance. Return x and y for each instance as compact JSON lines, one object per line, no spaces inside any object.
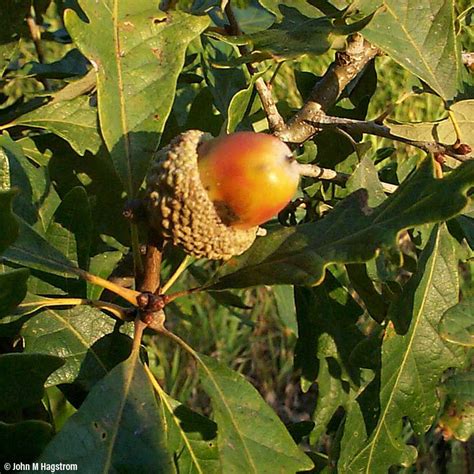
{"x":208,"y":195}
{"x":180,"y":208}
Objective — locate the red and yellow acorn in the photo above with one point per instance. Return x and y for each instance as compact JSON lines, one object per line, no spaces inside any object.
{"x":208,"y":195}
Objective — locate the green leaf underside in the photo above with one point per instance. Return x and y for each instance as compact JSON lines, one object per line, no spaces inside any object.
{"x":138,"y":53}
{"x":74,"y":120}
{"x":351,"y":233}
{"x":191,"y":437}
{"x":83,"y":336}
{"x":411,"y":364}
{"x":22,"y":377}
{"x":117,"y":428}
{"x":457,"y":323}
{"x":421,"y":37}
{"x":251,"y":438}
{"x":365,"y":176}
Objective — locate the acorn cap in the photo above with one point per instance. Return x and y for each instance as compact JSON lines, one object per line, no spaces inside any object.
{"x":179,"y":206}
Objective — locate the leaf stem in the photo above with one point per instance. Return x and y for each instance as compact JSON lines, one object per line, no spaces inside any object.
{"x":126,"y":293}
{"x":118,"y":311}
{"x":182,"y":266}
{"x":325,"y":174}
{"x":457,"y":128}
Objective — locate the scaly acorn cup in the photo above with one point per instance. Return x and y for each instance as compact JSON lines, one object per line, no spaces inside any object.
{"x":215,"y":220}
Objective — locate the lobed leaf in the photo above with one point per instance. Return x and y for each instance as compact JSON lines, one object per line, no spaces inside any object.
{"x":457,"y":323}
{"x":87,"y":339}
{"x":250,"y":437}
{"x":116,"y":429}
{"x":441,"y":131}
{"x":421,"y":37}
{"x":71,"y":231}
{"x":351,"y":233}
{"x":32,"y":250}
{"x":411,"y":364}
{"x":37,"y":198}
{"x":138,"y":53}
{"x":191,"y":437}
{"x":294,"y":36}
{"x":74,"y":120}
{"x":457,"y":419}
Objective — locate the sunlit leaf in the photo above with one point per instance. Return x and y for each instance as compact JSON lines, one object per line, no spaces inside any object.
{"x":351,"y":233}
{"x":457,"y":323}
{"x":411,"y":364}
{"x":421,"y":37}
{"x":457,"y":420}
{"x":138,"y":52}
{"x":191,"y":437}
{"x":74,"y":120}
{"x":250,"y":437}
{"x":119,"y":417}
{"x":88,"y":340}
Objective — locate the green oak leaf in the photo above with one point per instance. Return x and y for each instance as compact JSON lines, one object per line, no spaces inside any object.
{"x":421,"y":37}
{"x":8,"y":223}
{"x":351,"y":233}
{"x":87,"y":339}
{"x":116,"y":429}
{"x":12,"y":289}
{"x":12,"y":26}
{"x":138,"y":52}
{"x":74,"y":120}
{"x":22,"y":378}
{"x":191,"y":437}
{"x":250,"y":437}
{"x":457,"y":323}
{"x":441,"y":131}
{"x":24,"y":441}
{"x":411,"y":365}
{"x":457,"y":419}
{"x":294,"y":36}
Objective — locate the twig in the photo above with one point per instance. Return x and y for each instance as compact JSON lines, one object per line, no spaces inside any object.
{"x":378,"y":129}
{"x":314,"y":171}
{"x":152,"y":265}
{"x":346,"y":67}
{"x":275,"y":120}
